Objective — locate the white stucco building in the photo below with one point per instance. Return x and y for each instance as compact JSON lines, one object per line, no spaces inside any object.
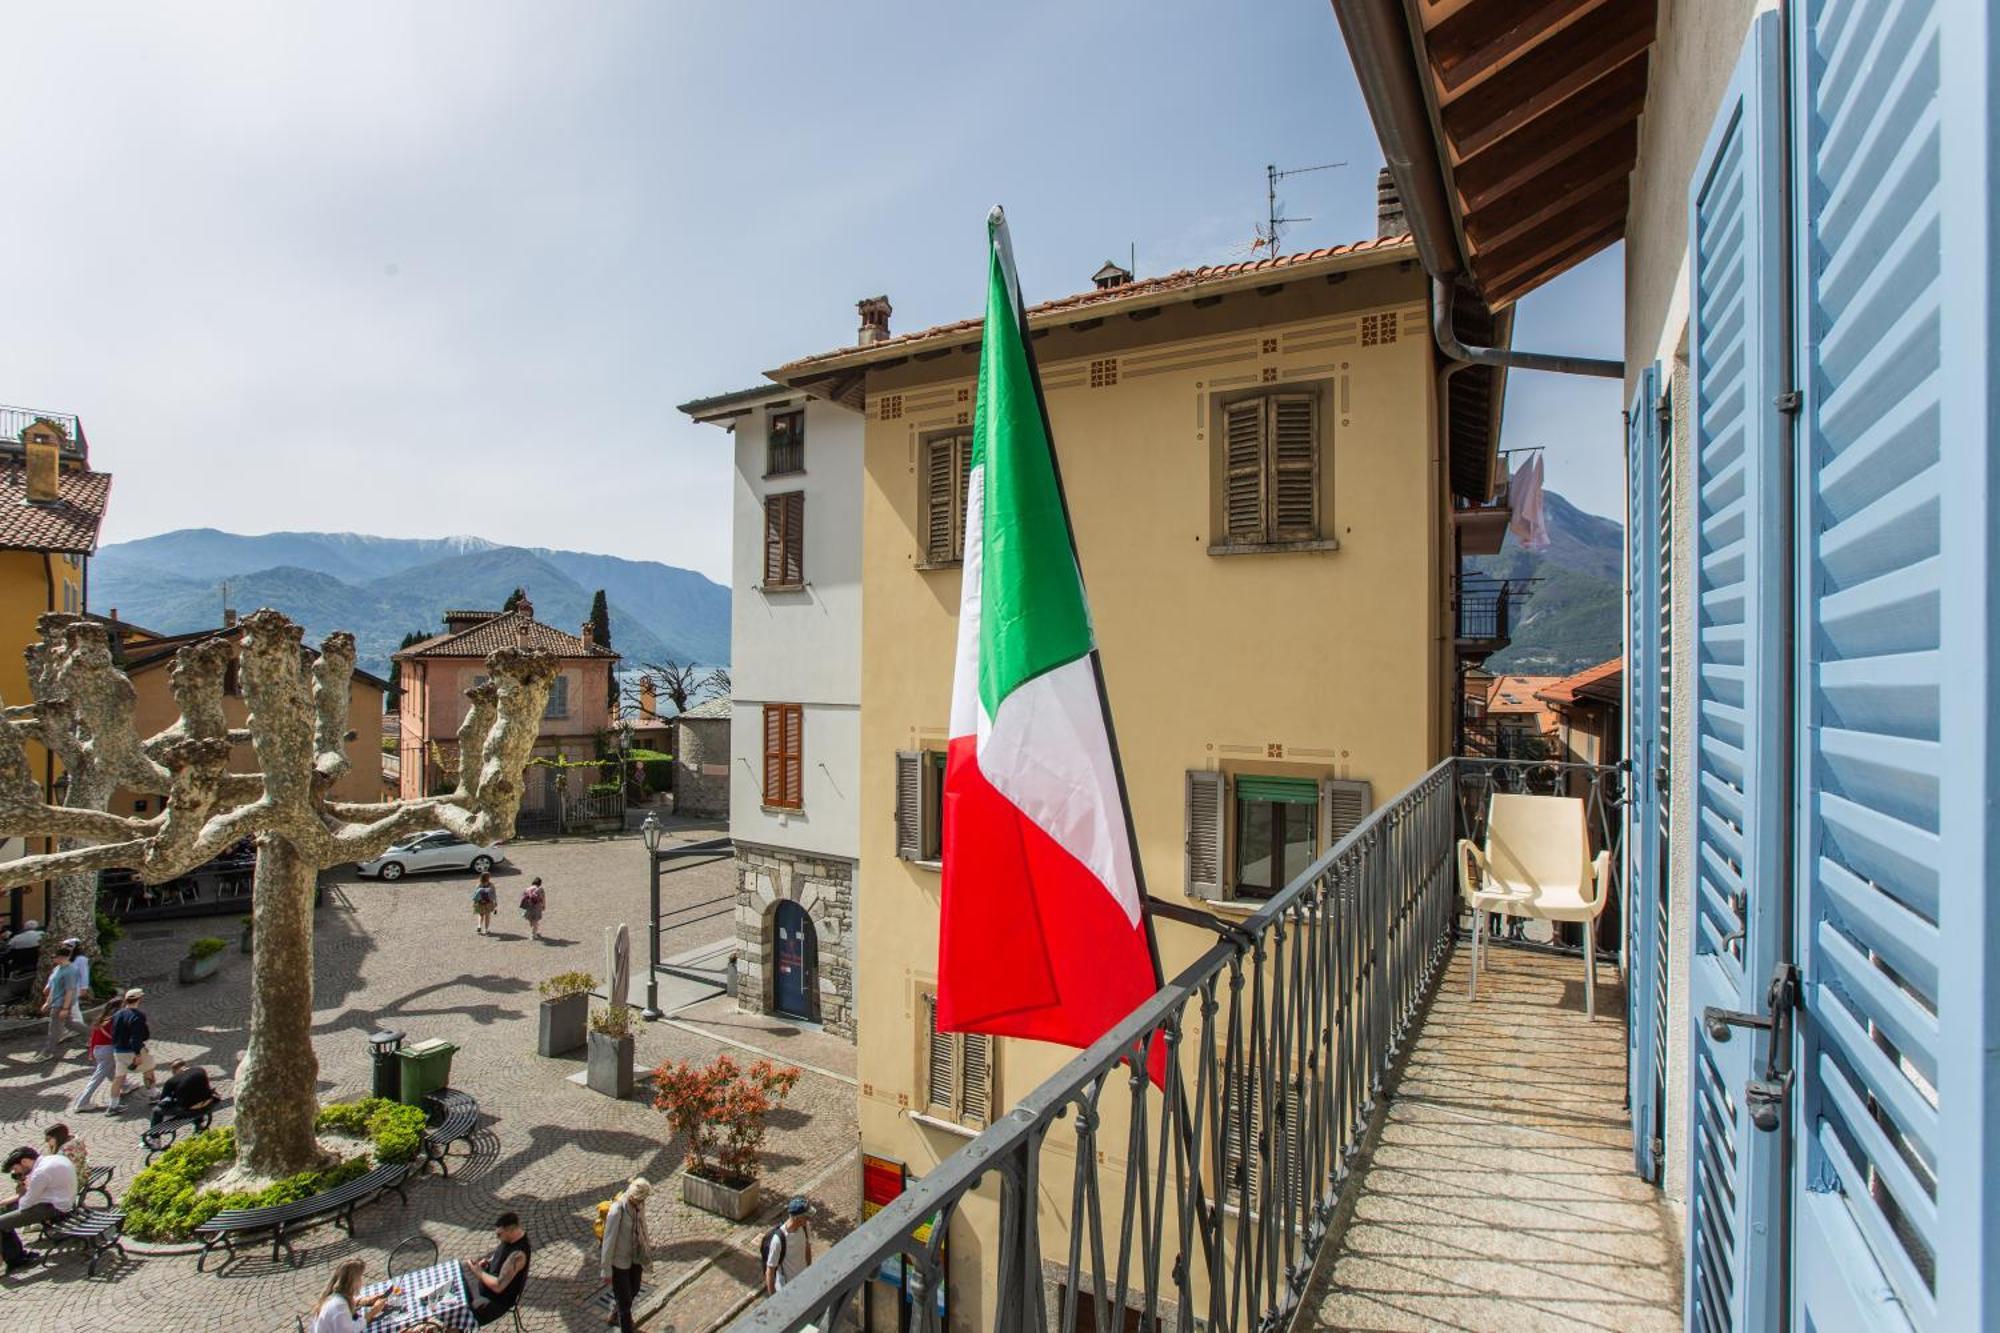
{"x":795,"y":664}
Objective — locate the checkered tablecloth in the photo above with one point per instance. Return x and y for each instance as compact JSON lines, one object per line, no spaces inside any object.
{"x":437,"y":1292}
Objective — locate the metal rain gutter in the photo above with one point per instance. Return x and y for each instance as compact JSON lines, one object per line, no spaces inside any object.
{"x":1378,"y":44}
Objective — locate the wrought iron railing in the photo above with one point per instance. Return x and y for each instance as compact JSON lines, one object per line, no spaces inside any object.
{"x":1483,"y":606}
{"x":1205,"y":1196}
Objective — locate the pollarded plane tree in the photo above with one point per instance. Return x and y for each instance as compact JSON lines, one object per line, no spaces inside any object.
{"x":297,"y":726}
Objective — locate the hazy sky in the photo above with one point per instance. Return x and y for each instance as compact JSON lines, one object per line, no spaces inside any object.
{"x":442,"y":268}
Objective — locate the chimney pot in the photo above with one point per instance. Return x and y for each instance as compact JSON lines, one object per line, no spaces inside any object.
{"x":589,"y":635}
{"x":42,"y":443}
{"x":1390,"y":220}
{"x":228,"y":617}
{"x":525,"y":609}
{"x":875,"y":312}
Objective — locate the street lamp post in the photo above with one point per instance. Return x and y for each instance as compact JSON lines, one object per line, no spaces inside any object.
{"x":649,"y":831}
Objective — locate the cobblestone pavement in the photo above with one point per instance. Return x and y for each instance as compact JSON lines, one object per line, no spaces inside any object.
{"x":405,"y":956}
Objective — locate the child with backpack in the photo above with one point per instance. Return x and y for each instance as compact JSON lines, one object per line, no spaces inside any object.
{"x":533,"y":903}
{"x":484,"y":899}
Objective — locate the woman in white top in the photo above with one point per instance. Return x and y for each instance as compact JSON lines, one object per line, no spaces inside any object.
{"x":626,"y":1250}
{"x":341,"y":1308}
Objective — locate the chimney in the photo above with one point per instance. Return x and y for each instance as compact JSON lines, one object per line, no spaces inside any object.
{"x":875,"y":314}
{"x":1389,"y":217}
{"x":525,"y":609}
{"x":521,"y":624}
{"x":1111,"y":275}
{"x":229,"y":617}
{"x":43,"y":442}
{"x":649,"y":701}
{"x":589,"y":635}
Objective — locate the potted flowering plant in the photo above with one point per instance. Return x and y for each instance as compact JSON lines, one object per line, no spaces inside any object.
{"x":719,"y":1108}
{"x":565,"y":1012}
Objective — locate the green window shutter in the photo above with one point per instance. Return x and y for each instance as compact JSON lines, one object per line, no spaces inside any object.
{"x":1292,"y":791}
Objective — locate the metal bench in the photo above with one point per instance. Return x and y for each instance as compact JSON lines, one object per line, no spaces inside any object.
{"x":97,"y":1181}
{"x":285,"y":1220}
{"x":456,"y":1116}
{"x":92,"y":1230}
{"x":158,"y":1138}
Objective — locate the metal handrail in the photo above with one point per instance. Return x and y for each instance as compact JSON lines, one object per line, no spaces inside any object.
{"x":1235,"y":1161}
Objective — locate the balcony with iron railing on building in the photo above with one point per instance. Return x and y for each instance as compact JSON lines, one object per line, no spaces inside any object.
{"x":1340,"y":1134}
{"x":1484,"y":609}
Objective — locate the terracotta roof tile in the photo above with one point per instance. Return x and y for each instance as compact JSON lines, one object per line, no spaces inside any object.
{"x":70,"y":524}
{"x":1597,"y":682}
{"x":1168,"y":282}
{"x":502,"y":632}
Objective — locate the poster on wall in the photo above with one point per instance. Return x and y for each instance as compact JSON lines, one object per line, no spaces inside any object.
{"x":882,"y":1181}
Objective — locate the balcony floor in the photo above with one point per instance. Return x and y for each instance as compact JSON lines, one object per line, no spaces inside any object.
{"x":1500,"y":1195}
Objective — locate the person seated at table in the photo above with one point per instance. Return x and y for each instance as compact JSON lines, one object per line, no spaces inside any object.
{"x":48,"y":1192}
{"x":498,"y":1280}
{"x":342,"y":1308}
{"x":187,"y":1092}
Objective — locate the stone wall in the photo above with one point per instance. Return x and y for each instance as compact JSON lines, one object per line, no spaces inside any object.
{"x":701,"y":766}
{"x":824,"y":887}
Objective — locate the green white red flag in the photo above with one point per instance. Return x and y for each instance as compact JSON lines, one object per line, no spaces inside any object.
{"x":1044,"y":931}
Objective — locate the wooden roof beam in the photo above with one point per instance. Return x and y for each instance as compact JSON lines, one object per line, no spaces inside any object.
{"x":1547,"y":76}
{"x":1504,"y":166}
{"x":1482,"y":40}
{"x":1549,"y":196}
{"x":1501,"y":264}
{"x":1505,"y":288}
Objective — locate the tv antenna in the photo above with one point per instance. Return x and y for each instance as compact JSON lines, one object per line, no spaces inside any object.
{"x":1268,"y":235}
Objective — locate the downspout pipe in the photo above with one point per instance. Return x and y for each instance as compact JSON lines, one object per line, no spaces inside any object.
{"x":1378,"y":44}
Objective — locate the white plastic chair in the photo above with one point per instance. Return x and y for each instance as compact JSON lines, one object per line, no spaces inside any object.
{"x":1536,"y":863}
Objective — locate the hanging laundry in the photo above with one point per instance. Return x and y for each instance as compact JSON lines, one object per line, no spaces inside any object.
{"x":1530,"y":524}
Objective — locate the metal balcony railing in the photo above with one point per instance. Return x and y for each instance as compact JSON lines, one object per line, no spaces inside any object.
{"x":1483,"y":607}
{"x":1205,"y":1198}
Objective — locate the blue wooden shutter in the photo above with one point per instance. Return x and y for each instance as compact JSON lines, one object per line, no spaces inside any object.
{"x":1735,"y":241}
{"x":1894,"y":1203}
{"x":1642,"y":742}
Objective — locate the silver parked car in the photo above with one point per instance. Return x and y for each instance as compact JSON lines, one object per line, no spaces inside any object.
{"x":432,"y":851}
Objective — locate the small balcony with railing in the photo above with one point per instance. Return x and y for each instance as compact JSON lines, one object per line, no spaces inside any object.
{"x":1484,"y":608}
{"x":1334,"y":1132}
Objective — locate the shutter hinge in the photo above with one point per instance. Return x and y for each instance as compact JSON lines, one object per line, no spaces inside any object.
{"x":1789,"y":400}
{"x":1663,"y":407}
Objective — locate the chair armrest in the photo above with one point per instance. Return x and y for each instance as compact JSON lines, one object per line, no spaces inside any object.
{"x":1472,"y":868}
{"x":1600,"y":882}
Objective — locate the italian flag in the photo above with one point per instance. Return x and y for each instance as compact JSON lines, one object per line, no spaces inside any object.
{"x":1044,"y":931}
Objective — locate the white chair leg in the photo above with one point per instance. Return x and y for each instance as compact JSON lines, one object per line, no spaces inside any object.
{"x":1478,"y":933}
{"x":1589,"y":974}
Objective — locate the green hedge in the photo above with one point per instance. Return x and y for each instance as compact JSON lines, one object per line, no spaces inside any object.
{"x":165,"y":1202}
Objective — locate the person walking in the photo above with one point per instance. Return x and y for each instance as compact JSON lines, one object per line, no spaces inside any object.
{"x":626,"y":1251}
{"x":103,"y":1061}
{"x":59,"y":1002}
{"x":484,"y":899}
{"x":79,"y":963}
{"x":788,"y":1249}
{"x":129,"y":1034}
{"x":533,"y":903}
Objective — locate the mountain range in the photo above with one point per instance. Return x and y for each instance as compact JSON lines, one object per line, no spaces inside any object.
{"x":382,"y":588}
{"x":1571,"y":617}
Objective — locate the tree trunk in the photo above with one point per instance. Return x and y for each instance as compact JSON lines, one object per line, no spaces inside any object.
{"x":277,"y":1083}
{"x":72,"y":905}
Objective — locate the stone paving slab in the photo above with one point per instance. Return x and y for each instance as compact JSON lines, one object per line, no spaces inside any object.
{"x":406,"y":956}
{"x":1500,"y":1194}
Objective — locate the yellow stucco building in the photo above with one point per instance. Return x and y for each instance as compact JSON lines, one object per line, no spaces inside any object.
{"x":51,"y":504}
{"x":1260,"y":461}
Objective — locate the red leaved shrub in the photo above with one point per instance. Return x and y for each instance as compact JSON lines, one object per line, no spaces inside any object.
{"x":721,"y":1107}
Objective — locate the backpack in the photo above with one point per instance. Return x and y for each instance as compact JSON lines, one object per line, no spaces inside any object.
{"x":484,"y":896}
{"x":777,"y":1234}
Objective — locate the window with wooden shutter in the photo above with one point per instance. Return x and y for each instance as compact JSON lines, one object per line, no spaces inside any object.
{"x":1271,"y":469}
{"x":919,"y":805}
{"x":947,"y":472}
{"x":1343,"y":804}
{"x":785,"y":445}
{"x":785,"y":540}
{"x":1275,"y":1146}
{"x":958,"y":1070}
{"x":784,"y":768}
{"x":1207,"y":798}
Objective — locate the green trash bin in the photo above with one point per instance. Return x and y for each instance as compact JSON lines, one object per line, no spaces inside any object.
{"x":426,"y":1068}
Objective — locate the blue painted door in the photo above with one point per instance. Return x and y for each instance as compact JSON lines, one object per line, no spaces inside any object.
{"x":1739,"y":561}
{"x":1642,"y":798}
{"x":795,"y":987}
{"x":1896,"y":1181}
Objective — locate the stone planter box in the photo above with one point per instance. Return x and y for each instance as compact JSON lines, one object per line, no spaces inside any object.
{"x":712,"y":1196}
{"x":609,"y":1070}
{"x":199,"y":969}
{"x":565,"y":1023}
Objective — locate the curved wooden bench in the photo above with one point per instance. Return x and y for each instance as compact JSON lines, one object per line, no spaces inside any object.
{"x":285,"y":1220}
{"x":455,"y":1118}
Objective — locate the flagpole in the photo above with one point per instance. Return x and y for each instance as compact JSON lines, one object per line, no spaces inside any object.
{"x":1001,"y":239}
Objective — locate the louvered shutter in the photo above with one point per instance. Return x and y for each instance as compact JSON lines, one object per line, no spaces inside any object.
{"x":962,"y":481}
{"x":795,"y":538}
{"x":1207,"y":800}
{"x":1243,"y":469}
{"x":940,"y":1061}
{"x":1294,"y":467}
{"x":774,"y":755}
{"x":1735,"y":348}
{"x":1897,"y":1162}
{"x":1343,"y":804}
{"x":940,"y":484}
{"x":975,"y":1078}
{"x":774,"y":539}
{"x":909,"y":805}
{"x":1242,"y":1131}
{"x":794,"y":743}
{"x":1641,"y":716}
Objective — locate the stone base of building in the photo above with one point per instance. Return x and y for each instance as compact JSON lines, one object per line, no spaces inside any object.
{"x":823,"y":887}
